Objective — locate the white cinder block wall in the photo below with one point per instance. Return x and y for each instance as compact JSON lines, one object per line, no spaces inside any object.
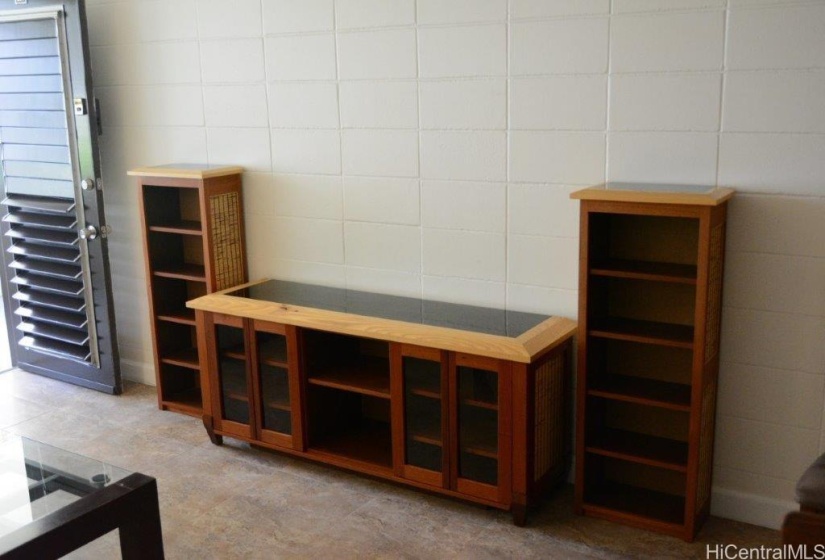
{"x":428,"y":147}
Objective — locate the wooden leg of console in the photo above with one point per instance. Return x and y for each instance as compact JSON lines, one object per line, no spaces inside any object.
{"x":213,"y":437}
{"x":519,"y":514}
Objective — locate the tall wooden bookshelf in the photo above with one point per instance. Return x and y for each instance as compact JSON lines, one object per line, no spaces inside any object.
{"x":650,"y":293}
{"x":193,"y":235}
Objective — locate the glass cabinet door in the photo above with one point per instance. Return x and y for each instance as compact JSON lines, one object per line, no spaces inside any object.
{"x":233,"y":380}
{"x":274,"y":384}
{"x":483,"y":443}
{"x":423,"y":385}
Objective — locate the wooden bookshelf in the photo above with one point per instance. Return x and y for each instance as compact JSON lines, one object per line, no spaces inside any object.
{"x":650,"y":284}
{"x":192,"y":221}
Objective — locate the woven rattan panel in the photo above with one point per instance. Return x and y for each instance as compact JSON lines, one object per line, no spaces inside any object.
{"x":706,"y":439}
{"x":714,"y":293}
{"x":550,"y":418}
{"x":225,"y":214}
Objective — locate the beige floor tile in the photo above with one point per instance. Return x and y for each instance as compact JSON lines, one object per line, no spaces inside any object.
{"x":237,"y":501}
{"x":14,"y":410}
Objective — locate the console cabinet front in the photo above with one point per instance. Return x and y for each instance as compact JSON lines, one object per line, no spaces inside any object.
{"x":275,"y":384}
{"x":421,"y":420}
{"x":252,"y":375}
{"x":427,"y":417}
{"x":480,"y":421}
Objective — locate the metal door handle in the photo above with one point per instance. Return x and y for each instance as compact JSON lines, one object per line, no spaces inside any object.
{"x":88,"y":233}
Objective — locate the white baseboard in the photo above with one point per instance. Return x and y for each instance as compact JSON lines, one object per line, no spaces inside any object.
{"x":139,"y":372}
{"x":750,"y":508}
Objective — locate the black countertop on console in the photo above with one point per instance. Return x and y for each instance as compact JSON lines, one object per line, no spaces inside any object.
{"x":412,"y":310}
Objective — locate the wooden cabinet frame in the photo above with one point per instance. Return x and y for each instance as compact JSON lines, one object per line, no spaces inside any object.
{"x":655,"y":481}
{"x":198,"y":213}
{"x":532,"y":407}
{"x":399,"y":406}
{"x":296,"y":439}
{"x":502,"y":370}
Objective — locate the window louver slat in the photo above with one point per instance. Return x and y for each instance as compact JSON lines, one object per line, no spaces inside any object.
{"x":56,"y":317}
{"x":44,"y":268}
{"x":56,"y":206}
{"x":44,"y":236}
{"x":33,"y":119}
{"x":43,"y":252}
{"x":19,"y":30}
{"x":53,"y":332}
{"x":41,"y":220}
{"x":66,"y":303}
{"x":38,"y":170}
{"x":46,"y":284}
{"x":32,"y":101}
{"x":56,"y":348}
{"x":29,"y":48}
{"x":41,"y":187}
{"x":26,"y":84}
{"x":28,"y":152}
{"x":38,"y":136}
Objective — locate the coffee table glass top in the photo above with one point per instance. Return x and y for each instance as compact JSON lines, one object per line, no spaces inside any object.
{"x":37,"y":479}
{"x":485,"y":320}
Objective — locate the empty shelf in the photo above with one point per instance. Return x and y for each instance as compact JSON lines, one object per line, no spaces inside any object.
{"x":649,"y":332}
{"x":645,"y":270}
{"x":640,"y":390}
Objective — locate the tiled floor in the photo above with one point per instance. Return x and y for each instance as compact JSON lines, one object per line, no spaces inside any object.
{"x":236,"y":502}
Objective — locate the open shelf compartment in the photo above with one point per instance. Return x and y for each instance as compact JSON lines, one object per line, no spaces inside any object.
{"x":642,"y":311}
{"x":643,"y":247}
{"x":347,"y":363}
{"x":180,"y":389}
{"x":638,"y":434}
{"x":172,"y":210}
{"x":645,"y":374}
{"x":644,"y":492}
{"x":176,"y":256}
{"x":350,"y":425}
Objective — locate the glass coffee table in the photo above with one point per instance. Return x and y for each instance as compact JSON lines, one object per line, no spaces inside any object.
{"x":53,"y":502}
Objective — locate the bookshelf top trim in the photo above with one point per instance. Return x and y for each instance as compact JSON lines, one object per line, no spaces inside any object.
{"x":186,"y":171}
{"x":657,"y":193}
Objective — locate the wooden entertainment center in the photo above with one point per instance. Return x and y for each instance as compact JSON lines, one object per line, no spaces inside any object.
{"x":464,"y":401}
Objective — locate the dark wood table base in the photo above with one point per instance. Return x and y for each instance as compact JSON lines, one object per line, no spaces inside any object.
{"x":130,"y":505}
